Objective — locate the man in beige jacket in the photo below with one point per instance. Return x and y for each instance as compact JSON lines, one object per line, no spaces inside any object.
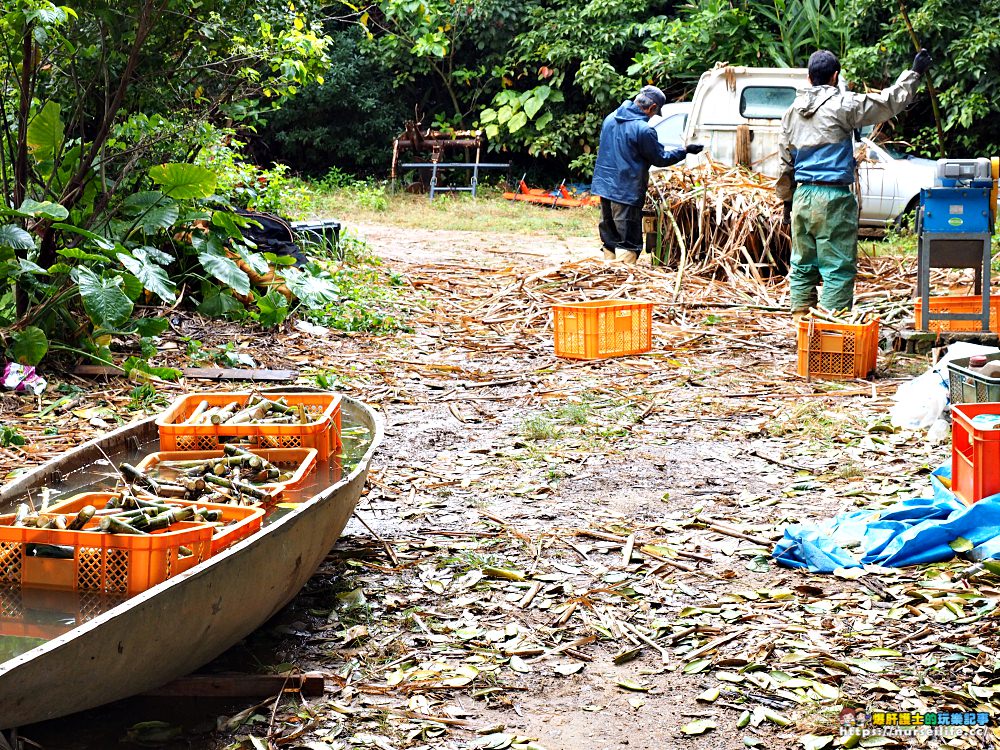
{"x":818,"y":171}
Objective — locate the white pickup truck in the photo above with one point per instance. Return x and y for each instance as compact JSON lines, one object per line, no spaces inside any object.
{"x":736,"y":103}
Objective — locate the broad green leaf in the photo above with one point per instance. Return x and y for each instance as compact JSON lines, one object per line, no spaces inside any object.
{"x":158,"y":216}
{"x":872,"y":666}
{"x":981,"y":692}
{"x":136,"y":203}
{"x":495,"y":741}
{"x":961,"y":544}
{"x":106,"y":304}
{"x":225,"y":270}
{"x":226,"y":221}
{"x":29,"y":345}
{"x":221,"y":305}
{"x":273,"y":309}
{"x":279,"y":260}
{"x":517,"y":121}
{"x":699,"y":726}
{"x":164,"y":373}
{"x":256,"y":261}
{"x":29,"y":266}
{"x":314,"y":292}
{"x":45,"y":132}
{"x":184,"y":181}
{"x":152,"y":254}
{"x":44,"y":210}
{"x":532,"y":106}
{"x":102,"y":242}
{"x":151,"y":326}
{"x":77,"y":254}
{"x":152,"y":276}
{"x":487,"y":115}
{"x":544,"y":120}
{"x":16,"y":238}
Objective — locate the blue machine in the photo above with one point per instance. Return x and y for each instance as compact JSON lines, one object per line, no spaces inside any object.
{"x":954,"y":224}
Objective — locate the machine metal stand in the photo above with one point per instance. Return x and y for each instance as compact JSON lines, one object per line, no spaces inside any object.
{"x":954,"y":226}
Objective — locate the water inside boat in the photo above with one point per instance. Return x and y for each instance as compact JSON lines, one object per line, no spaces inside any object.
{"x":30,"y":617}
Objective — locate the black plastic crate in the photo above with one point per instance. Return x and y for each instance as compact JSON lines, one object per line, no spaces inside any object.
{"x":969,"y":387}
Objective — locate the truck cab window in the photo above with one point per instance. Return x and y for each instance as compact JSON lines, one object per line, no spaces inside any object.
{"x":766,"y":102}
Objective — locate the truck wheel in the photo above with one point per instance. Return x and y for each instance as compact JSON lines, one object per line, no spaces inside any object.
{"x":907,"y":219}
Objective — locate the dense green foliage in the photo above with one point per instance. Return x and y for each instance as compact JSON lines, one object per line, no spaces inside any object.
{"x":319,"y":128}
{"x":118,"y":179}
{"x":538,"y":76}
{"x":123,"y":122}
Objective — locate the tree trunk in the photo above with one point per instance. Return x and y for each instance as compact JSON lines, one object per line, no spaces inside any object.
{"x":21,"y":152}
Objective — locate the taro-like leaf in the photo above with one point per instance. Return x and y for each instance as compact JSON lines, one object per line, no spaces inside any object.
{"x":152,"y":276}
{"x":103,"y":299}
{"x":225,"y":270}
{"x":14,"y":237}
{"x":29,"y":345}
{"x":184,"y":181}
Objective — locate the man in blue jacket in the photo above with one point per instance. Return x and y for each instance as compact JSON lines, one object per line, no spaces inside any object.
{"x":627,"y":150}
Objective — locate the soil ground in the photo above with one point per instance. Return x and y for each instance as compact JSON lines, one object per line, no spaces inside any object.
{"x":576,"y":554}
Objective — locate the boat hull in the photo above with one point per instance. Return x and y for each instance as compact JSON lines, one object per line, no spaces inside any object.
{"x":186,"y":621}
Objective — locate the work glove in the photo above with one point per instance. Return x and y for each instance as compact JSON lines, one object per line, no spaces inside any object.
{"x":921,"y":62}
{"x":786,"y":213}
{"x":694,"y":148}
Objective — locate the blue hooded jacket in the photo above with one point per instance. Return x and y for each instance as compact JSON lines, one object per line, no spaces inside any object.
{"x":628,"y":149}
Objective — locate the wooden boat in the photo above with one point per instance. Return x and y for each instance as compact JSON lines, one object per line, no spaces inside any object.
{"x":186,"y":621}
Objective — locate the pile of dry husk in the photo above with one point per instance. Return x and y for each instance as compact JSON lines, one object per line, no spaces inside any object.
{"x":713,"y":220}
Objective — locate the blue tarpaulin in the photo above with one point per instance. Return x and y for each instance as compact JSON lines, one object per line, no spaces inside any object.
{"x":906,"y":533}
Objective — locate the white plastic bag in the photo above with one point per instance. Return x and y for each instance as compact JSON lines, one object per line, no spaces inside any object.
{"x":920,"y":402}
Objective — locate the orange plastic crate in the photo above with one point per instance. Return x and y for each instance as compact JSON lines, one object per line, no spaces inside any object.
{"x":837,"y":351}
{"x":299,"y":461}
{"x":949,"y":304}
{"x":610,"y":328}
{"x":975,"y":453}
{"x":66,"y":608}
{"x":322,"y":434}
{"x":240,"y":520}
{"x":112,"y":563}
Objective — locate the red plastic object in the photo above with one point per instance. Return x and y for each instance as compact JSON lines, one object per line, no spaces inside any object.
{"x":299,"y":461}
{"x":559,"y":198}
{"x":608,"y":328}
{"x":837,"y":351}
{"x":323,"y":434}
{"x":975,"y":453}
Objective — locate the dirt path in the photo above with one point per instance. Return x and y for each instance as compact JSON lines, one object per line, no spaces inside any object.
{"x":539,"y":558}
{"x":548,"y":528}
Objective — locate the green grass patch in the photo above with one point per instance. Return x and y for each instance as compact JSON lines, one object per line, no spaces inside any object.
{"x":376,"y":203}
{"x":540,"y":427}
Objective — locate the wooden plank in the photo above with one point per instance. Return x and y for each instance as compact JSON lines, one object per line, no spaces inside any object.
{"x":310,"y":684}
{"x":230,"y":373}
{"x":199,"y":373}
